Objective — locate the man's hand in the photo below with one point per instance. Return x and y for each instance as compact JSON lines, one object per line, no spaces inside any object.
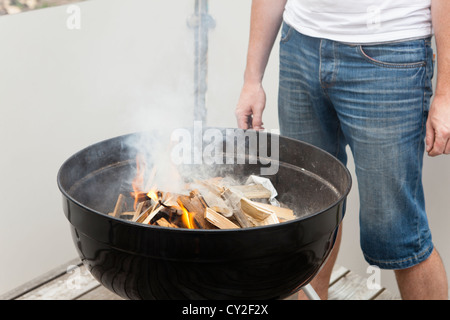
{"x":265,"y":23}
{"x":438,"y":126}
{"x":250,"y":107}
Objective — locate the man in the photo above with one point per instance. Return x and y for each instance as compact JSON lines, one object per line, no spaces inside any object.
{"x":358,"y":73}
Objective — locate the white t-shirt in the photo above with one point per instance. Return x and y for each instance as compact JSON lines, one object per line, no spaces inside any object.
{"x":360,"y":21}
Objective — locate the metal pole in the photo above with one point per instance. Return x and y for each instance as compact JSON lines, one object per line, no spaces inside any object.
{"x":201,"y":22}
{"x":310,"y":292}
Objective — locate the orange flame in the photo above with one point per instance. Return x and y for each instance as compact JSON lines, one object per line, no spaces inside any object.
{"x":153,"y":195}
{"x":186,"y":217}
{"x":140,"y":189}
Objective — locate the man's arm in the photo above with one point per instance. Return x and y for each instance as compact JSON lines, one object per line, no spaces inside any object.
{"x":266,"y":18}
{"x":438,"y":124}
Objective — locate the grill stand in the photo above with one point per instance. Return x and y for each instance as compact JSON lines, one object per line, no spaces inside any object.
{"x":201,"y":22}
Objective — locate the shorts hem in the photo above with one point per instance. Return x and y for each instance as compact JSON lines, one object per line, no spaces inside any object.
{"x":403,"y":263}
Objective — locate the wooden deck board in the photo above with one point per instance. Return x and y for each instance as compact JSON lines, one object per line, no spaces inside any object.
{"x":387,"y":295}
{"x":352,"y":287}
{"x":68,"y":286}
{"x":73,"y":282}
{"x":100,"y":293}
{"x":338,"y":273}
{"x":40,"y":281}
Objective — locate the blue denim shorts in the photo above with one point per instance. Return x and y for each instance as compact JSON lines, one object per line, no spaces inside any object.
{"x":375,"y":99}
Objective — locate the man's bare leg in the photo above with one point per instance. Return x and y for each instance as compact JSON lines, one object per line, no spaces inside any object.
{"x":321,"y":282}
{"x":425,"y":281}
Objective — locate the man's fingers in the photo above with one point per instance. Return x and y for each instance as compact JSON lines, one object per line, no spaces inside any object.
{"x":243,"y":123}
{"x":250,"y":122}
{"x":242,"y":119}
{"x":439,"y":145}
{"x":251,"y":119}
{"x":257,"y":123}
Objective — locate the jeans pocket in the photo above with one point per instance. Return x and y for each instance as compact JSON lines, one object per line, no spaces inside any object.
{"x":399,"y":55}
{"x":286,"y":32}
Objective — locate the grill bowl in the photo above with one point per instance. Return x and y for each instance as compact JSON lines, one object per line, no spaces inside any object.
{"x":139,"y":261}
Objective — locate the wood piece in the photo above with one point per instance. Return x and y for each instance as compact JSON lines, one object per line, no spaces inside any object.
{"x":225,"y":211}
{"x":191,"y":204}
{"x":139,"y":196}
{"x":254,"y":222}
{"x":219,"y":220}
{"x":195,"y":194}
{"x":138,"y":210}
{"x":176,"y":220}
{"x":216,"y":203}
{"x":254,"y":210}
{"x":253,"y":191}
{"x":157,"y":208}
{"x":118,"y":207}
{"x":282,"y":213}
{"x":234,"y":201}
{"x":145,"y":213}
{"x":201,"y":221}
{"x":271,"y":219}
{"x":197,"y":208}
{"x":170,"y":200}
{"x":212,"y":185}
{"x":262,"y":216}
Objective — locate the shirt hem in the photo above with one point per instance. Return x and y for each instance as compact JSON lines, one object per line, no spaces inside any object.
{"x":365,"y":38}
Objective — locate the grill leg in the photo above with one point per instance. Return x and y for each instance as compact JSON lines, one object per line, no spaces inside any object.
{"x":310,"y":292}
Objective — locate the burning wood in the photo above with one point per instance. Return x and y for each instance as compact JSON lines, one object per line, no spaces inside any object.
{"x":213,"y":207}
{"x":209,"y":204}
{"x":138,"y":210}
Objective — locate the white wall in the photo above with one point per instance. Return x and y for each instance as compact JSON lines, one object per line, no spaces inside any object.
{"x":129,"y":67}
{"x":62,"y":90}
